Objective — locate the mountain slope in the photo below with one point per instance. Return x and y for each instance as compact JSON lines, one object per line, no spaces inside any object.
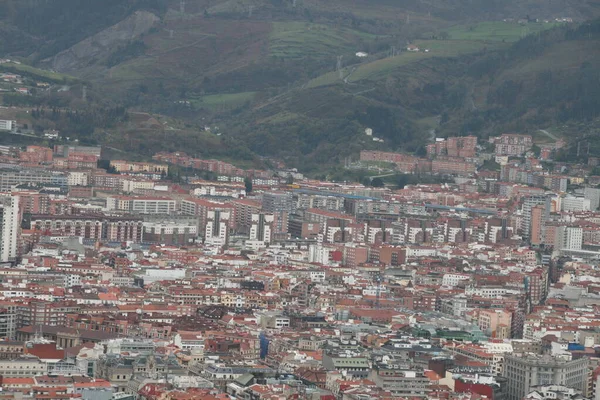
{"x":282,"y":78}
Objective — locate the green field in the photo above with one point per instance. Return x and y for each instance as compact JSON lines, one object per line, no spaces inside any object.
{"x":461,"y":39}
{"x":379,"y":68}
{"x":300,"y":40}
{"x":497,"y":31}
{"x":229,"y":100}
{"x":36,"y":73}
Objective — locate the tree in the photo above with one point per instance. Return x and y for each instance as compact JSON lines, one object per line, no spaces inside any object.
{"x":377,"y":182}
{"x":248,"y":184}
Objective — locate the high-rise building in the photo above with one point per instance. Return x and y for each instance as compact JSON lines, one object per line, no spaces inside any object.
{"x":281,"y":205}
{"x":528,"y":204}
{"x":9,"y":228}
{"x":278,"y":201}
{"x":525,"y":371}
{"x":262,"y":227}
{"x":538,"y":219}
{"x":568,"y":238}
{"x":217,"y":227}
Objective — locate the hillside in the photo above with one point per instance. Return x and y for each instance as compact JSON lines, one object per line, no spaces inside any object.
{"x":281,"y":77}
{"x":459,"y":87}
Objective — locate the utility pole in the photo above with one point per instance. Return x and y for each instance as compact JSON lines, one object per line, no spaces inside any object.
{"x":250,"y":9}
{"x":182,"y":6}
{"x":339,"y":67}
{"x":84,"y":93}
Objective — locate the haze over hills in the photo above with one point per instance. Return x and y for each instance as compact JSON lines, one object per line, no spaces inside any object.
{"x":282,"y":78}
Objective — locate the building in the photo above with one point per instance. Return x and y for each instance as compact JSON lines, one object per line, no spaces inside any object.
{"x":513,"y":144}
{"x":170,"y":232}
{"x":281,"y":205}
{"x":573,"y":203}
{"x":36,"y":155}
{"x":123,"y":166}
{"x":67,"y":150}
{"x":91,"y":226}
{"x":401,"y":379}
{"x":217,"y":227}
{"x":526,"y":371}
{"x":278,"y":202}
{"x":23,"y":367}
{"x":554,"y":392}
{"x":462,"y":146}
{"x":8,"y":125}
{"x":593,"y":195}
{"x":244,"y":211}
{"x":10,"y":220}
{"x":201,"y":207}
{"x":568,"y":238}
{"x":538,"y":219}
{"x":528,"y":204}
{"x":262,"y":227}
{"x":495,"y":323}
{"x":142,"y":205}
{"x":10,"y":177}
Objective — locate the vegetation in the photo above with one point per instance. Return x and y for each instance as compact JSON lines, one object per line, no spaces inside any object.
{"x":44,"y":28}
{"x":269,"y":79}
{"x":38,"y":74}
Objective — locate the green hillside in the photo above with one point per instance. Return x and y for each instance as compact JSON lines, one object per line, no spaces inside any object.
{"x":282,"y":78}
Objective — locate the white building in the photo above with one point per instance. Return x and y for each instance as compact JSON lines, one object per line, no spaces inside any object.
{"x":9,"y":229}
{"x":8,"y":125}
{"x":217,"y":227}
{"x":78,"y":178}
{"x":134,"y":184}
{"x":568,"y":238}
{"x":454,"y":279}
{"x":153,"y":205}
{"x":261,"y":227}
{"x":572,"y":203}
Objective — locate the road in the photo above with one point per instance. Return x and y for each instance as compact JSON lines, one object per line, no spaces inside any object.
{"x":551,"y":136}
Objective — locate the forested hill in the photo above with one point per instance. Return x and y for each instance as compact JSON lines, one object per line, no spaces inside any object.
{"x":545,"y":80}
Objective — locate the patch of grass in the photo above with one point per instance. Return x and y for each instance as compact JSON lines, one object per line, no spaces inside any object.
{"x":379,"y":68}
{"x":36,"y":73}
{"x":215,"y":101}
{"x":498,"y":31}
{"x":300,"y":40}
